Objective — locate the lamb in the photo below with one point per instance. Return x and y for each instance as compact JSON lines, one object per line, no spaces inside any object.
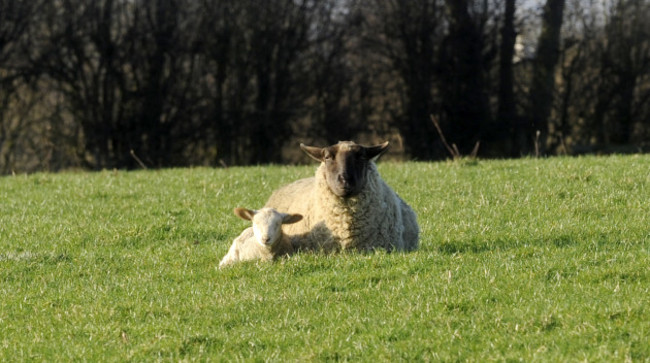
{"x":347,"y":205}
{"x":264,"y":240}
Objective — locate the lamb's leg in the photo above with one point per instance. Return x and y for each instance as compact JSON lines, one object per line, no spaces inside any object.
{"x":233,"y":253}
{"x":231,"y":257}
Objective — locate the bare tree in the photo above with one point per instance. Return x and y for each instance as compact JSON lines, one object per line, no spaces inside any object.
{"x":123,"y":70}
{"x":627,"y":62}
{"x":543,"y":77}
{"x":604,"y":70}
{"x":465,"y":96}
{"x":15,"y":19}
{"x":257,"y":53}
{"x":339,"y":109}
{"x":132,"y":83}
{"x":80,"y":52}
{"x":404,"y":33}
{"x":506,"y":113}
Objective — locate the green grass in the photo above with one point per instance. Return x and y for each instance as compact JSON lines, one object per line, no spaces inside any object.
{"x":533,"y":260}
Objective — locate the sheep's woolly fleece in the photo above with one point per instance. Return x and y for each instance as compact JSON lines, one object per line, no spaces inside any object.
{"x":375,"y":218}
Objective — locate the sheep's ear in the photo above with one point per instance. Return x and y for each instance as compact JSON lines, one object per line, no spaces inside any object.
{"x":374,"y":152}
{"x":315,"y":153}
{"x":244,"y":213}
{"x":291,"y":218}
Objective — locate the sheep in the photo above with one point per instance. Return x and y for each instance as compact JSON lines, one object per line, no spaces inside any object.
{"x":347,"y":205}
{"x":264,"y":240}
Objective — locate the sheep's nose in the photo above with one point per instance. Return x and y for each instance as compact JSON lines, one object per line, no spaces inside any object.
{"x":266,"y":240}
{"x":343,"y":179}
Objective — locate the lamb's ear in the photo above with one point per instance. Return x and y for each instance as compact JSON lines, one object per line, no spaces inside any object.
{"x":291,"y":218}
{"x":315,"y":153}
{"x":244,"y":213}
{"x":374,"y":152}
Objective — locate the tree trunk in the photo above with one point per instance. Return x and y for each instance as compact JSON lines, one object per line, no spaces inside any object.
{"x":506,"y":113}
{"x":543,"y":83}
{"x":466,"y":101}
{"x":414,"y":29}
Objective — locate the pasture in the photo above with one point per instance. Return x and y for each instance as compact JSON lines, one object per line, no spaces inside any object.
{"x":531,"y":259}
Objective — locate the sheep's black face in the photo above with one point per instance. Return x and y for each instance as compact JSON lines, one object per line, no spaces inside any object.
{"x":346,"y":169}
{"x":346,"y":165}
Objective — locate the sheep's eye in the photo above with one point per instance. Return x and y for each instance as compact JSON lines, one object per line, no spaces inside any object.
{"x":328,"y":156}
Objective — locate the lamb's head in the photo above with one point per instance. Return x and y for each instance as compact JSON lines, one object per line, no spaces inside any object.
{"x":346,"y":164}
{"x":267,"y":223}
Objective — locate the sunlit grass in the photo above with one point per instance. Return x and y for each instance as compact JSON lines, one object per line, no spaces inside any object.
{"x":528,"y":259}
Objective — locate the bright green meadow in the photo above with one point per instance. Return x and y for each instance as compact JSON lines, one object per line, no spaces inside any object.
{"x":531,"y":260}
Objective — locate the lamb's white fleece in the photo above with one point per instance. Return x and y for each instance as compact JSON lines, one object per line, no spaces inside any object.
{"x":264,"y":240}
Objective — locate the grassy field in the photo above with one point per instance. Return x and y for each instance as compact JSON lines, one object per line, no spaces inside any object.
{"x":533,"y":260}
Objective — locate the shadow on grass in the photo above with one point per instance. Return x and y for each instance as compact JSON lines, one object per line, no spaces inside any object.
{"x":199,"y":343}
{"x":495,"y":245}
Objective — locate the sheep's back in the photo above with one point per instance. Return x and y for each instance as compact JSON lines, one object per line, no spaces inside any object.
{"x":291,"y":198}
{"x":294,"y":198}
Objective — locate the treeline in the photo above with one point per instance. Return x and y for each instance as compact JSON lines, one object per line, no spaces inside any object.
{"x":131,"y":83}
